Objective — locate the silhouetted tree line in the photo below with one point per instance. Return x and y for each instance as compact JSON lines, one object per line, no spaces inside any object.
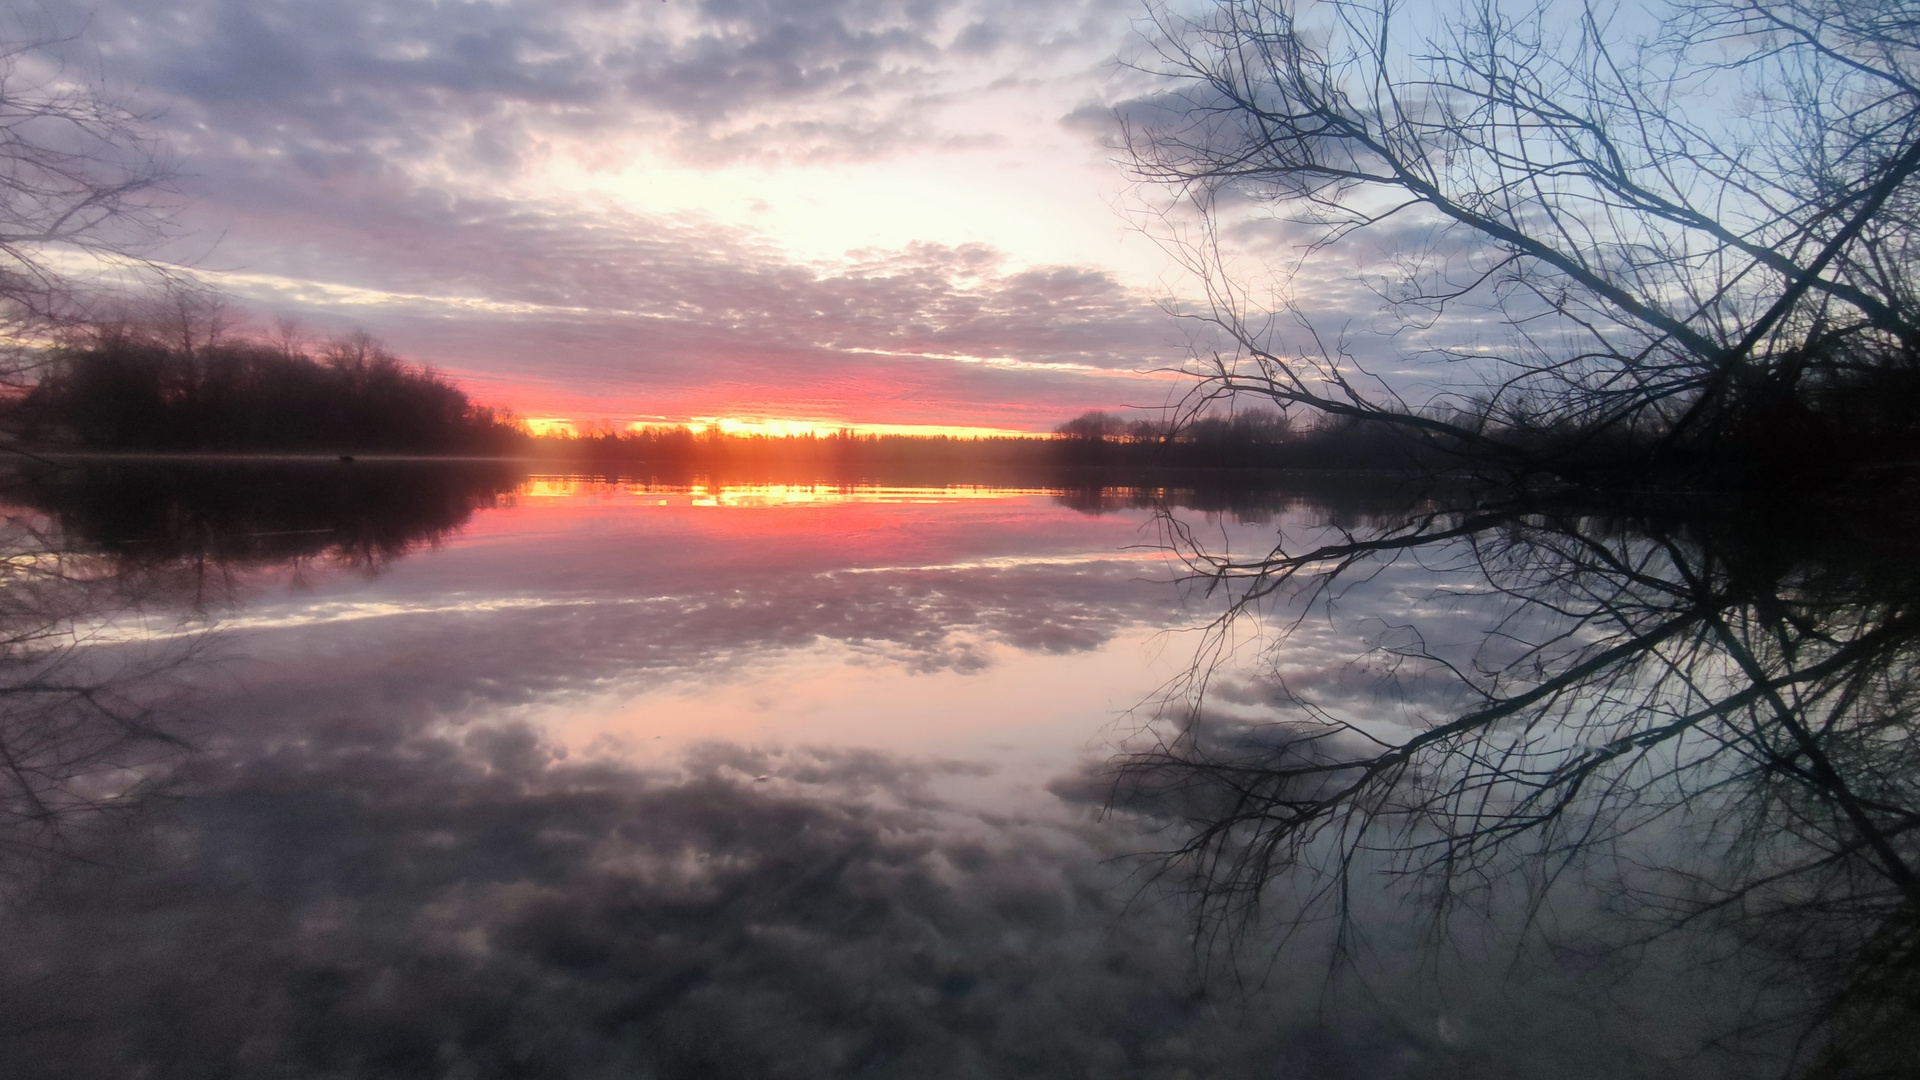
{"x":126,"y":390}
{"x":1255,"y":438}
{"x":680,"y":445}
{"x":1249,"y":439}
{"x":678,"y":455}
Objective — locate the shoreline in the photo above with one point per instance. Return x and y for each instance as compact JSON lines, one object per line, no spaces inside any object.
{"x":547,"y":465}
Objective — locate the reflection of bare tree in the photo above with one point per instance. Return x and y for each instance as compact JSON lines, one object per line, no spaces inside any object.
{"x":85,"y":717}
{"x":110,"y":580}
{"x":238,"y":512}
{"x":1716,"y":718}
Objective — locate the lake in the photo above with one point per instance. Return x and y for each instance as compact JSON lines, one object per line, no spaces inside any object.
{"x":397,"y":769}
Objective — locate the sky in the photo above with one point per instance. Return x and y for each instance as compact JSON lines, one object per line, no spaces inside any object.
{"x":867,"y":212}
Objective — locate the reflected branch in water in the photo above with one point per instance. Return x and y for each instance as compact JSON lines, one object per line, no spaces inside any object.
{"x":112,"y":575}
{"x":1711,"y":721}
{"x":87,"y":718}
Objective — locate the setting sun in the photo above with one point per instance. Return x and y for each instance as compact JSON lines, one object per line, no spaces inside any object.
{"x":776,"y":427}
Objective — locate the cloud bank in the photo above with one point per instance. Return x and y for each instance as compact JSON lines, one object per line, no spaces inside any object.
{"x":429,"y":171}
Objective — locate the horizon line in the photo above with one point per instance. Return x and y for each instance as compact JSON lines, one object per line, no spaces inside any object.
{"x":776,"y":427}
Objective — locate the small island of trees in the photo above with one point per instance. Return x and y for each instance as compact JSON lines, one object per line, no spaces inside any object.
{"x":124,"y":389}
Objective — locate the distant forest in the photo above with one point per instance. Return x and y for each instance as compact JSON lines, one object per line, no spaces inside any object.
{"x":1254,"y":439}
{"x":122,"y":390}
{"x":127,"y":391}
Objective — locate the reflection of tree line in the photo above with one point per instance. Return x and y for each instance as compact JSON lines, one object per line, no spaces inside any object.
{"x":1707,"y":709}
{"x":106,"y":574}
{"x":365,"y":514}
{"x":1357,"y":501}
{"x":91,"y":547}
{"x":99,"y":552}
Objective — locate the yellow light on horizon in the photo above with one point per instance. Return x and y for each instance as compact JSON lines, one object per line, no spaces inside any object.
{"x":705,"y":492}
{"x":764,"y":426}
{"x":781,"y":427}
{"x":550,"y":425}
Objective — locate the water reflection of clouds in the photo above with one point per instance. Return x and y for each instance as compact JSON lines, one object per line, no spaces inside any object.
{"x":594,"y":596}
{"x":365,"y":904}
{"x":609,"y":618}
{"x":374,"y":901}
{"x":842,"y":644}
{"x":1358,"y":650}
{"x":290,"y":616}
{"x":392,"y":856}
{"x":632,"y":606}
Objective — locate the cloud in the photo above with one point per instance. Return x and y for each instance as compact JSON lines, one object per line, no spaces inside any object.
{"x":677,"y":311}
{"x":363,"y":906}
{"x":367,"y":903}
{"x":364,"y":86}
{"x":428,"y":171}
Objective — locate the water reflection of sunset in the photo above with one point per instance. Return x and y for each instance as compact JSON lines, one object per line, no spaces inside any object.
{"x":603,"y":491}
{"x":778,"y":427}
{"x":768,"y":427}
{"x":627,"y":618}
{"x":610,"y":693}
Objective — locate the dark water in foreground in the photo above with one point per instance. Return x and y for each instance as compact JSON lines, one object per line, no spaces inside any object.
{"x":428,"y":771}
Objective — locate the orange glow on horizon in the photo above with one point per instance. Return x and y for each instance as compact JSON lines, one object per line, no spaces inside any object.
{"x":550,"y":425}
{"x":708,"y":494}
{"x":774,"y":427}
{"x":779,"y":427}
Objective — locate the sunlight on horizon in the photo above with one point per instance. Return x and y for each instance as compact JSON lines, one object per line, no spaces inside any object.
{"x":773,"y":427}
{"x":706,"y":493}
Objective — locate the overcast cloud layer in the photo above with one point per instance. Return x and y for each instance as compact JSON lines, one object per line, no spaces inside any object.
{"x":849,"y":209}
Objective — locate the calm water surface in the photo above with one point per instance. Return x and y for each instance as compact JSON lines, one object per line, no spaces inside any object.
{"x":441,"y":773}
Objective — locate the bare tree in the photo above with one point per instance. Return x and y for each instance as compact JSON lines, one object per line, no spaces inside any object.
{"x":192,"y":318}
{"x":288,"y":335}
{"x":1677,"y":229}
{"x":80,"y":178}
